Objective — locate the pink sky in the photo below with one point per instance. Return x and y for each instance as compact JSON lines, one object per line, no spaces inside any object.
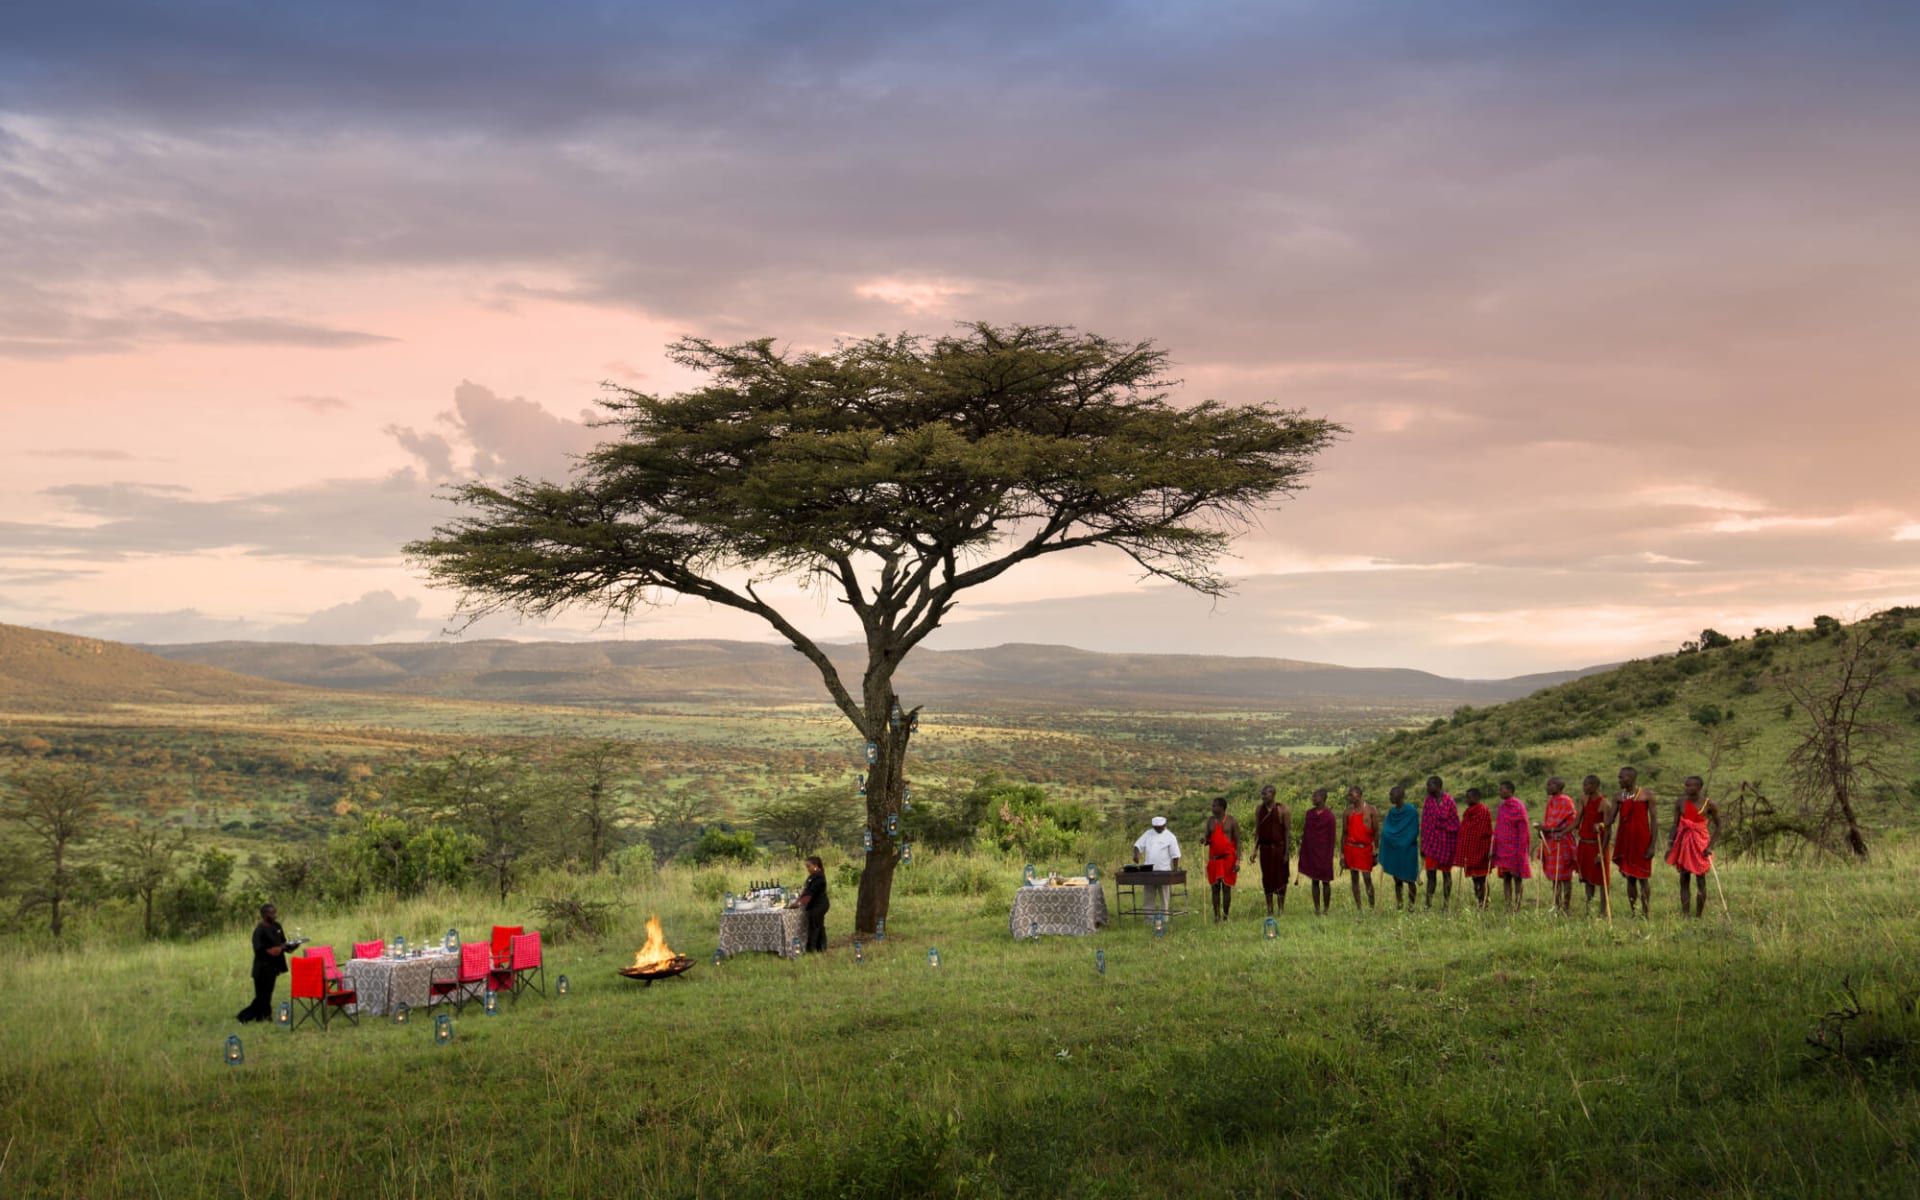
{"x":1619,"y":313}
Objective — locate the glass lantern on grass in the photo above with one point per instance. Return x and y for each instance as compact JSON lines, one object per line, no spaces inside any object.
{"x":234,"y":1054}
{"x":933,"y":956}
{"x":859,"y":955}
{"x":880,"y":930}
{"x":492,"y":1004}
{"x":796,"y":946}
{"x":1033,"y":930}
{"x":1159,"y":924}
{"x":1273,"y":929}
{"x":562,"y":986}
{"x":402,"y":1013}
{"x":1100,"y":961}
{"x":442,"y":1030}
{"x":719,"y":956}
{"x":283,"y":1015}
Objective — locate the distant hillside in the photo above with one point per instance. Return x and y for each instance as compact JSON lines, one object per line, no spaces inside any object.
{"x":642,"y":672}
{"x":41,"y":670}
{"x":1720,"y":712}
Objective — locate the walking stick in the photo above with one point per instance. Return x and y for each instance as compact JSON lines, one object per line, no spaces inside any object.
{"x":1606,"y":876}
{"x":1713,"y":869}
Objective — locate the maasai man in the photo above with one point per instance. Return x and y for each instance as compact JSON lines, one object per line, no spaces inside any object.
{"x":1357,"y":849}
{"x":1634,"y":826}
{"x":1400,"y":846}
{"x":1696,"y":825}
{"x":1557,"y":831}
{"x":1222,"y":838}
{"x":1512,"y":845}
{"x":1590,"y":858}
{"x":1439,"y":839}
{"x":1274,"y":840}
{"x":1475,"y":856}
{"x":1317,"y":838}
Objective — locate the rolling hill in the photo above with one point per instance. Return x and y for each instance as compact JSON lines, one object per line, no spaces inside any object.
{"x":1012,"y":676}
{"x":42,"y":670}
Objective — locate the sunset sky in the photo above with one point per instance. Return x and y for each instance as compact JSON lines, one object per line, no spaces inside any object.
{"x":1618,"y":300}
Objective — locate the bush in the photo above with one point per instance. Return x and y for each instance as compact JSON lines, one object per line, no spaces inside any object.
{"x":949,"y":819}
{"x":1534,"y":767}
{"x":1707,"y":715}
{"x":1505,"y":760}
{"x":563,"y":917}
{"x":1024,"y":821}
{"x":808,"y":820}
{"x":717,"y":845}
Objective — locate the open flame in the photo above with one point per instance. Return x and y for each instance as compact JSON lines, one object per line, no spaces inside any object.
{"x":656,"y":953}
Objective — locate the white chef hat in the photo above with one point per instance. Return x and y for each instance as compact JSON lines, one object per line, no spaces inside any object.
{"x":1159,"y":822}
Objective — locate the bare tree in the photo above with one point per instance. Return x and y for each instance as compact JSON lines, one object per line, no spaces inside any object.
{"x":1838,"y":759}
{"x":59,"y":809}
{"x":591,"y":797}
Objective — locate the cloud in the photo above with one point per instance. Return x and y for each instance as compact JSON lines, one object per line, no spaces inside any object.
{"x":38,"y":324}
{"x":376,"y":616}
{"x":373,"y":617}
{"x":503,"y":437}
{"x":319,"y":404}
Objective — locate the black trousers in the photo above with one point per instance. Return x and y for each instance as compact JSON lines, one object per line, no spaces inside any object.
{"x":816,"y":930}
{"x":262,"y":1007}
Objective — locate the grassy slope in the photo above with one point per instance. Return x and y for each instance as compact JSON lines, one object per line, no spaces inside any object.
{"x":1426,"y":1054}
{"x":1603,"y":722}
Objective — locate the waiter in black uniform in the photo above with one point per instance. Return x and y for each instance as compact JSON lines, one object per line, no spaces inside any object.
{"x":813,"y":898}
{"x":270,"y":946}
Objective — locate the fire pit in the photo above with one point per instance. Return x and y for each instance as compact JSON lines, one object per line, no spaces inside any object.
{"x":656,"y":959}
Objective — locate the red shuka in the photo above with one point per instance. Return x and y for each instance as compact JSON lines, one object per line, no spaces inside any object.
{"x":1476,"y":840}
{"x":1633,"y":835}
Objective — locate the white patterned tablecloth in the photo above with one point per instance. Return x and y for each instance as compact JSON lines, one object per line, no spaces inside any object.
{"x":1074,"y":911}
{"x":385,"y":982}
{"x":771,"y":930}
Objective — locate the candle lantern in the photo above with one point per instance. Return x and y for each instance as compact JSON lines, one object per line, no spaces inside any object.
{"x":719,"y":956}
{"x":399,"y":946}
{"x":1027,"y":876}
{"x":451,"y":944}
{"x":442,"y":1030}
{"x":906,"y":853}
{"x":858,"y":954}
{"x":1159,"y":924}
{"x":1273,"y":929}
{"x":1093,"y":872}
{"x":1033,"y":930}
{"x":796,"y":946}
{"x":1100,"y":961}
{"x":233,"y":1054}
{"x":283,"y":1016}
{"x":730,"y":902}
{"x":893,"y":718}
{"x":873,"y":752}
{"x":402,"y":1013}
{"x":563,"y":986}
{"x":880,"y":930}
{"x":913,"y":723}
{"x":893,"y":824}
{"x":492,"y":1004}
{"x":863,"y":785}
{"x":933,"y":956}
{"x":906,"y":800}
{"x":866,"y":840}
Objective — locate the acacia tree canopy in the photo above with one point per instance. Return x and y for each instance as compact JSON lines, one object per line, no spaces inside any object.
{"x":894,"y":472}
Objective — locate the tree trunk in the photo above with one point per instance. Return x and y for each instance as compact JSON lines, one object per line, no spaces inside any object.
{"x":886,"y":787}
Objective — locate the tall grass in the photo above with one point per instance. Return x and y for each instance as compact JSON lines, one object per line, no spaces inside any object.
{"x":1379,"y":1053}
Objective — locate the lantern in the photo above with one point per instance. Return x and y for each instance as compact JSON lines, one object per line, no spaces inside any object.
{"x":893,"y":824}
{"x":906,"y":853}
{"x":906,"y":799}
{"x":863,"y":785}
{"x":283,"y":1016}
{"x":1273,"y":929}
{"x":858,"y":955}
{"x":1100,"y":961}
{"x":562,"y":987}
{"x":401,"y":1013}
{"x":873,"y":752}
{"x":893,"y":718}
{"x":933,"y":956}
{"x":1159,"y":924}
{"x":866,"y":840}
{"x":730,"y":901}
{"x":399,"y":946}
{"x":913,"y":723}
{"x":796,"y":946}
{"x":1093,"y":872}
{"x":1027,"y":876}
{"x":442,"y":1030}
{"x":1033,"y":930}
{"x":880,"y":930}
{"x":234,"y":1055}
{"x":452,"y":943}
{"x":492,"y":1004}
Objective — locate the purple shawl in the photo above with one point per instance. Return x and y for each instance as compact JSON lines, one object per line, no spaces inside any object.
{"x":1316,"y":844}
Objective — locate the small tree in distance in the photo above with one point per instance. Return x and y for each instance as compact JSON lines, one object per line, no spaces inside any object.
{"x":895,"y":474}
{"x":60,"y":809}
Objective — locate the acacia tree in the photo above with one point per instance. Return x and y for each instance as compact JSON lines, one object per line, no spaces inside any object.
{"x":59,"y":810}
{"x":591,"y":800}
{"x":1837,"y":761}
{"x":895,"y":474}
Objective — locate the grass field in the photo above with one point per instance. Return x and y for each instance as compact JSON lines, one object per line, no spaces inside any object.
{"x":1376,"y":1054}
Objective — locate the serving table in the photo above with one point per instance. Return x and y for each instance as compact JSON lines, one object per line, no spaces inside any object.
{"x":1132,"y":888}
{"x":772,"y":929}
{"x":384,"y":982}
{"x":1073,"y":911}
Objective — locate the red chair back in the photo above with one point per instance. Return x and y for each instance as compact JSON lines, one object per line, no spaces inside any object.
{"x":476,"y":959}
{"x":503,"y":936}
{"x":526,"y":950}
{"x":325,"y":955}
{"x":370,"y":949}
{"x":309,"y":977}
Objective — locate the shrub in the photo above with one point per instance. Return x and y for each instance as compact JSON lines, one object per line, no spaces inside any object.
{"x":719,"y":845}
{"x":1023,"y":820}
{"x":563,"y":917}
{"x":1707,"y":715}
{"x":1505,"y":760}
{"x":1653,"y":749}
{"x":1534,"y":767}
{"x":1713,"y":639}
{"x":808,"y":820}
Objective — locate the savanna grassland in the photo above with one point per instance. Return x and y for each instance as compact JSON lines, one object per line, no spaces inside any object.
{"x":1378,"y":1053}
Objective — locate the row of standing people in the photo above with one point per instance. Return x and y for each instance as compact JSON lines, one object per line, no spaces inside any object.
{"x":1581,"y":840}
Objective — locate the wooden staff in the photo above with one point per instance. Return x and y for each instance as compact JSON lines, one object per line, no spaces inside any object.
{"x":1606,"y":876}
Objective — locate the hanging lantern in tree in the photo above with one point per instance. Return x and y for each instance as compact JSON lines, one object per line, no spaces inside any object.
{"x":906,"y":853}
{"x":866,"y":840}
{"x":880,"y":930}
{"x":893,"y":824}
{"x":873,"y":752}
{"x":863,"y":785}
{"x":234,"y":1055}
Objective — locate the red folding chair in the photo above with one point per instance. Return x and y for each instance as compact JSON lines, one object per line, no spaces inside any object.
{"x":525,"y":965}
{"x":316,"y":995}
{"x":325,"y":955}
{"x":502,"y":943}
{"x":455,"y":981}
{"x":370,"y":949}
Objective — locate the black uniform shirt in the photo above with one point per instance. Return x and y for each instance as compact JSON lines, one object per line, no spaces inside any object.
{"x":815,"y":891}
{"x":267,"y":935}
